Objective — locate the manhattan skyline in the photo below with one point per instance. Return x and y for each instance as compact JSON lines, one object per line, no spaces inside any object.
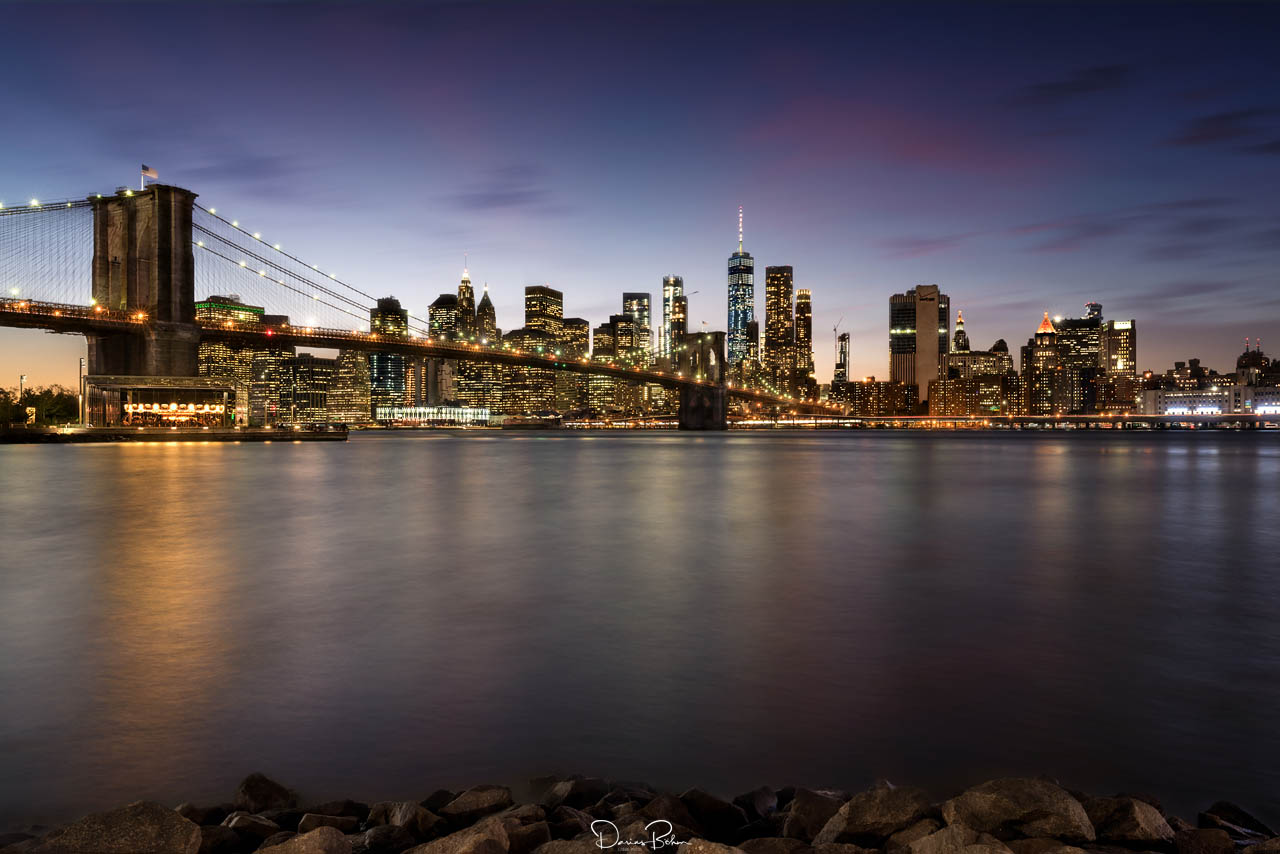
{"x":1122,"y":155}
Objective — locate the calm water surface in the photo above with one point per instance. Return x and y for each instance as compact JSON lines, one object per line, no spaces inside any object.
{"x":410,"y":611}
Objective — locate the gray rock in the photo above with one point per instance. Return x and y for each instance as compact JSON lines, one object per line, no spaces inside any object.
{"x":903,"y":838}
{"x":251,"y":826}
{"x":872,"y":816}
{"x":958,"y":839}
{"x":703,"y":846}
{"x":475,"y":803}
{"x":216,"y":839}
{"x":1128,"y":820}
{"x":567,"y":846}
{"x":354,"y":809}
{"x":1196,"y":841}
{"x":1240,"y":834}
{"x":258,"y":793}
{"x":524,"y":838}
{"x":1179,"y":824}
{"x":388,"y":839}
{"x":438,"y":799}
{"x":841,"y":848}
{"x":718,"y":819}
{"x":1240,"y":817}
{"x":144,"y":827}
{"x":345,"y":823}
{"x":417,"y":819}
{"x":566,"y":822}
{"x":1269,"y":846}
{"x":775,"y":845}
{"x":322,"y":840}
{"x":808,"y":814}
{"x":758,"y":803}
{"x":1019,"y":806}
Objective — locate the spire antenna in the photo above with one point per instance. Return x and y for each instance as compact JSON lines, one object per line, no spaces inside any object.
{"x":465,"y":265}
{"x":739,"y":228}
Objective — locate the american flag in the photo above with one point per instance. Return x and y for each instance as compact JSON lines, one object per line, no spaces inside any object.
{"x":148,"y":172}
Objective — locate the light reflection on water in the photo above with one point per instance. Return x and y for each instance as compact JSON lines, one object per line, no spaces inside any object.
{"x":418,"y":610}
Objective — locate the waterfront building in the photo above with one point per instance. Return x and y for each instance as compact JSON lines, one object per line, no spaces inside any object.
{"x":304,"y":395}
{"x":1043,"y":383}
{"x":348,"y":399}
{"x":841,"y":374}
{"x":1119,"y":348}
{"x":479,"y":384}
{"x":433,"y":416}
{"x":979,"y":395}
{"x":637,"y":305}
{"x":779,"y":357}
{"x":528,"y":390}
{"x":870,"y":398}
{"x":804,"y":338}
{"x":224,"y":359}
{"x":919,"y":333}
{"x":742,"y":301}
{"x":266,"y":385}
{"x":672,"y":290}
{"x":544,"y":310}
{"x":387,"y":381}
{"x":1079,"y":341}
{"x":575,"y":343}
{"x":679,"y":320}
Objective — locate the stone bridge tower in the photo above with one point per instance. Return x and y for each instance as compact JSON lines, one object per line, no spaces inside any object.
{"x":703,"y":407}
{"x":143,"y":262}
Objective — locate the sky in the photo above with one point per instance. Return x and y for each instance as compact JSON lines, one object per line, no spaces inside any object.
{"x":1025,"y":157}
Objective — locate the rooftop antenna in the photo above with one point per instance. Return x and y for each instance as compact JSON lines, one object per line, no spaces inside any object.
{"x":739,"y":228}
{"x":465,"y":264}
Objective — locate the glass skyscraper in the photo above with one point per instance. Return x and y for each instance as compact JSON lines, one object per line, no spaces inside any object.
{"x":638,"y":305}
{"x":387,"y":383}
{"x":742,"y":300}
{"x":779,"y":326}
{"x":672,"y":287}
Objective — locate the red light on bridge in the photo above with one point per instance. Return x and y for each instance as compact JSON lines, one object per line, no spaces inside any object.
{"x":270,"y":332}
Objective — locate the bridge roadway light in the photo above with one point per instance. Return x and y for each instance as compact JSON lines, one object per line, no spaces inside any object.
{"x":35,"y":203}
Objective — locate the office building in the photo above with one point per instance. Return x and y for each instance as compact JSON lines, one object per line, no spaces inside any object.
{"x":387,"y":381}
{"x":779,"y":328}
{"x":742,"y":300}
{"x":224,"y":359}
{"x":544,"y":310}
{"x":348,"y":400}
{"x":960,"y":344}
{"x":919,"y":333}
{"x":672,"y":289}
{"x":638,"y":306}
{"x":804,"y":338}
{"x":1119,"y":348}
{"x":466,"y":324}
{"x":841,"y":374}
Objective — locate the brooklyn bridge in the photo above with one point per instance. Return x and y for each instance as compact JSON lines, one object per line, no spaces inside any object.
{"x":126,"y":271}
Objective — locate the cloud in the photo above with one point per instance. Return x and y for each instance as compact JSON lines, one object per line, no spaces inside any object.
{"x":1074,"y":233}
{"x":505,"y":188}
{"x":1231,"y":126}
{"x":914,"y":247}
{"x":1086,"y":81}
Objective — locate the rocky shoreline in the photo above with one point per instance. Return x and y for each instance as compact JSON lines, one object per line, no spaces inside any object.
{"x":584,"y":815}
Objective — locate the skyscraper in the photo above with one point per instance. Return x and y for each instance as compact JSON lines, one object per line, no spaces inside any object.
{"x":742,"y":300}
{"x":1119,"y":348}
{"x":224,"y":359}
{"x":679,"y":321}
{"x":960,"y":344}
{"x":1080,"y":347}
{"x":779,"y":327}
{"x":672,"y":287}
{"x":1042,"y":371}
{"x":638,"y":305}
{"x":466,"y":307}
{"x":387,"y":382}
{"x":804,"y":336}
{"x":919,"y":326}
{"x":348,"y":401}
{"x":486,"y":319}
{"x":841,"y":374}
{"x":543,"y":310}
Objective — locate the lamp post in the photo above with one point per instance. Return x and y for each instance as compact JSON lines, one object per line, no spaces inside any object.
{"x":80,"y":403}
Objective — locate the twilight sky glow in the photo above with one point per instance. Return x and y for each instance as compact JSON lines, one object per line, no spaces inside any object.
{"x":1025,"y":157}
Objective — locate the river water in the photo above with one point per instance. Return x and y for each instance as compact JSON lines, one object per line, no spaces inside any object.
{"x":415,"y":610}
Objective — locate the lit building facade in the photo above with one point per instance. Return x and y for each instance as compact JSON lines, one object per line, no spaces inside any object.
{"x":919,"y":332}
{"x":304,"y":397}
{"x":1119,"y":348}
{"x":387,"y":382}
{"x":544,"y":310}
{"x":672,"y":289}
{"x":779,"y":327}
{"x":742,"y":300}
{"x":466,"y":323}
{"x":348,"y":400}
{"x":224,"y":359}
{"x":804,"y":339}
{"x":639,"y":307}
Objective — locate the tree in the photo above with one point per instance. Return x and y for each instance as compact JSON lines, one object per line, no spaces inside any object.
{"x":54,"y":404}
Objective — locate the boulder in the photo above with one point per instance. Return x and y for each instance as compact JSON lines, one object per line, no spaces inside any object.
{"x":872,"y":816}
{"x":1042,"y":845}
{"x":346,"y":823}
{"x":575,"y":792}
{"x":417,"y":819}
{"x":718,"y":819}
{"x":955,"y":839}
{"x":144,"y":827}
{"x":524,"y":838}
{"x":388,"y":839}
{"x":7,"y":839}
{"x":1196,"y":841}
{"x":1269,"y":846}
{"x":438,"y":799}
{"x":775,"y":845}
{"x":670,"y":808}
{"x":251,"y":826}
{"x":809,"y":813}
{"x":1240,"y":834}
{"x":322,"y":840}
{"x":841,"y":848}
{"x":1020,"y":806}
{"x":475,"y":803}
{"x":567,"y":846}
{"x":758,"y":803}
{"x":276,"y":839}
{"x":903,"y":838}
{"x":487,"y":836}
{"x":566,"y":822}
{"x":258,"y":793}
{"x":201,"y":815}
{"x":1238,"y":816}
{"x":287,"y":818}
{"x":703,"y":846}
{"x":1128,"y":821}
{"x":216,"y":839}
{"x":763,"y":828}
{"x":354,"y":809}
{"x":1179,"y":824}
